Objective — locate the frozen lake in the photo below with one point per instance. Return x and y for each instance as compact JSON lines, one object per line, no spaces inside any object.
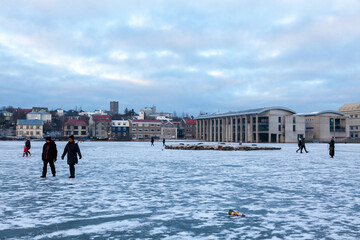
{"x":128,"y":190}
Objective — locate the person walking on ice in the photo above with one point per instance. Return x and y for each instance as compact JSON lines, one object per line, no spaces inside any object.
{"x":28,"y":146}
{"x":164,"y":142}
{"x":49,"y":155}
{"x":303,"y":146}
{"x":332,"y":147}
{"x":72,"y":150}
{"x":299,"y":145}
{"x":25,"y":151}
{"x":152,"y":141}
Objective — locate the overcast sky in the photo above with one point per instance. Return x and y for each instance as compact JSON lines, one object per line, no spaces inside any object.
{"x":187,"y":56}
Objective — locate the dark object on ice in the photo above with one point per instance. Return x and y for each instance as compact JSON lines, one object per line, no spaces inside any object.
{"x":332,"y":147}
{"x":218,"y":147}
{"x":299,"y":145}
{"x":152,"y":141}
{"x":164,"y":142}
{"x":28,"y":146}
{"x":303,"y":146}
{"x":49,"y":155}
{"x":235,"y":213}
{"x":72,"y":150}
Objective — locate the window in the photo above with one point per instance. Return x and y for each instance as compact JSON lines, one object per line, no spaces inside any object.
{"x":134,"y":124}
{"x":153,"y":130}
{"x":21,"y":127}
{"x":27,"y":126}
{"x":133,"y":130}
{"x":158,"y":130}
{"x":140,"y":130}
{"x":279,"y":119}
{"x":83,"y":127}
{"x":146,"y":124}
{"x":37,"y":127}
{"x":75,"y":127}
{"x":76,"y":132}
{"x":68,"y":127}
{"x":294,"y":128}
{"x":37,"y":133}
{"x":152,"y":125}
{"x":351,"y":127}
{"x":294,"y":120}
{"x":140,"y":124}
{"x":83,"y":132}
{"x":279,"y":128}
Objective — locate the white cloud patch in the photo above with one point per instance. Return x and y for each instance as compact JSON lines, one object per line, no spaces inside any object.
{"x":119,"y":56}
{"x":211,"y":53}
{"x":137,"y":21}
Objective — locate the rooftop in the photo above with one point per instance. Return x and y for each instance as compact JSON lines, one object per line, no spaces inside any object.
{"x":139,"y":120}
{"x":245,"y":112}
{"x":101,"y":118}
{"x":319,"y":113}
{"x":350,"y":107}
{"x":190,"y":121}
{"x":29,"y":122}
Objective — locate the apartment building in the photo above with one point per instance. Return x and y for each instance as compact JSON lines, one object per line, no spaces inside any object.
{"x":29,"y":128}
{"x":145,"y":129}
{"x":78,"y":128}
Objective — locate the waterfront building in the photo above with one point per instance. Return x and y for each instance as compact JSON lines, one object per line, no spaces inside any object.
{"x":168,"y":130}
{"x":29,"y":128}
{"x":7,"y":115}
{"x":352,"y":112}
{"x":39,"y":115}
{"x":321,"y":126}
{"x":78,"y":128}
{"x":145,"y":129}
{"x":120,"y":130}
{"x":100,"y":126}
{"x":251,"y":126}
{"x":189,"y":128}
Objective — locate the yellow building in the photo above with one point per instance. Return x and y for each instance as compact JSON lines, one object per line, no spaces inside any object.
{"x":29,"y":128}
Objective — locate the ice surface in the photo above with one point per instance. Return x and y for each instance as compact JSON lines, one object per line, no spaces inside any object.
{"x":132,"y":190}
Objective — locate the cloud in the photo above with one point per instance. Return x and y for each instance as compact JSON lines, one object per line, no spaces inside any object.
{"x":200,"y":55}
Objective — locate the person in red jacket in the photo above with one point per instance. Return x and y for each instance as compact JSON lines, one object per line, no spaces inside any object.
{"x":25,"y":151}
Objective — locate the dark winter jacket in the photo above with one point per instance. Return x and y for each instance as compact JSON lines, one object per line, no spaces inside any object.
{"x":71,"y":149}
{"x":332,"y":143}
{"x":28,"y":145}
{"x":49,"y":154}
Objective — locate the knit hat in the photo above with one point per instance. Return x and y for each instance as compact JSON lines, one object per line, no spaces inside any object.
{"x":72,"y":137}
{"x":48,"y":138}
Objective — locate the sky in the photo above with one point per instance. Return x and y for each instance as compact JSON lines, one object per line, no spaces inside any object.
{"x":184,"y":56}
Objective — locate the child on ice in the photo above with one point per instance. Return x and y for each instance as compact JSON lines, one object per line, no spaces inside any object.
{"x":25,"y":151}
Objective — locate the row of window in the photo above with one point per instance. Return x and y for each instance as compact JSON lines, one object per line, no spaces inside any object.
{"x":145,"y":125}
{"x":76,"y":127}
{"x":353,"y":116}
{"x":29,"y":127}
{"x":31,"y":133}
{"x":354,"y":127}
{"x":84,"y":133}
{"x":145,"y":130}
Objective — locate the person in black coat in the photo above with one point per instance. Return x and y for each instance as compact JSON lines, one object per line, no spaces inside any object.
{"x":49,"y":155}
{"x":28,"y":146}
{"x":303,"y":146}
{"x":299,"y":145}
{"x":332,"y":147}
{"x":72,"y":150}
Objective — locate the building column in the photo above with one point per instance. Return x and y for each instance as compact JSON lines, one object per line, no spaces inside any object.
{"x":218,"y":130}
{"x":251,"y":136}
{"x":257,"y":128}
{"x":210,"y":130}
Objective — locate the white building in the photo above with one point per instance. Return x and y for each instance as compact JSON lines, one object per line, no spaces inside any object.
{"x":41,"y":115}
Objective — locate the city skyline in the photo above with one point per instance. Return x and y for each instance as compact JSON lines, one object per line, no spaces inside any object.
{"x":210,"y":56}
